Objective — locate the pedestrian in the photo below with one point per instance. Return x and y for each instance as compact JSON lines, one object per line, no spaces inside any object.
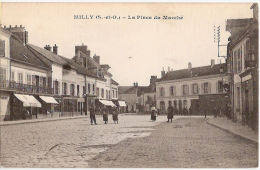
{"x":185,"y":111}
{"x":170,"y":113}
{"x":153,"y":113}
{"x":115,"y":116}
{"x":105,"y":115}
{"x":92,"y":115}
{"x":205,"y":113}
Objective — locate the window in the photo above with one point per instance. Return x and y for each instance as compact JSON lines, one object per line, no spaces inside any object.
{"x":172,"y":91}
{"x":44,"y":82}
{"x":206,"y":87}
{"x":97,"y":91}
{"x":239,"y":60}
{"x":238,"y":100}
{"x":195,"y":88}
{"x":77,"y":90}
{"x":88,"y":88}
{"x":2,"y":48}
{"x":2,"y":74}
{"x":20,"y":78}
{"x":235,"y":62}
{"x":41,"y":81}
{"x":220,"y":86}
{"x":185,"y":89}
{"x":72,"y":89}
{"x":162,"y":91}
{"x":102,"y":93}
{"x":84,"y":89}
{"x":93,"y":88}
{"x":56,"y":87}
{"x":29,"y":79}
{"x":33,"y":80}
{"x":116,"y":93}
{"x":12,"y":76}
{"x":64,"y":88}
{"x":109,"y":97}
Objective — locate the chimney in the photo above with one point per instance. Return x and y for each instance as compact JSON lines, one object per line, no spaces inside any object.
{"x":96,"y":58}
{"x":189,"y":66}
{"x":20,"y":33}
{"x":212,"y":63}
{"x":47,"y":47}
{"x":55,"y":49}
{"x":134,"y":84}
{"x":83,"y":48}
{"x":168,"y":69}
{"x":162,"y":73}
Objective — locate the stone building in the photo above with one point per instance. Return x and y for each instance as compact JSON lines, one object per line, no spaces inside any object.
{"x":38,"y":81}
{"x":27,"y":80}
{"x":139,"y":98}
{"x":242,"y":59}
{"x":197,"y":89}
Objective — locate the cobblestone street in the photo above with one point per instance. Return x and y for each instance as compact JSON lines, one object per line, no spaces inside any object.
{"x":134,"y":142}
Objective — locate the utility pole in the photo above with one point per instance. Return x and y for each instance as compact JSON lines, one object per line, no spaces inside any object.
{"x":217,"y":39}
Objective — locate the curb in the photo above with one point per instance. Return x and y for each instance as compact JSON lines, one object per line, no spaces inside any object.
{"x":233,"y":133}
{"x":43,"y":120}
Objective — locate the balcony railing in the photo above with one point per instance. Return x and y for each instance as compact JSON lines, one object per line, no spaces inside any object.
{"x":25,"y":87}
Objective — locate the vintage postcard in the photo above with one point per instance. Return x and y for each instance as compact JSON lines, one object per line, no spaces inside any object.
{"x":129,"y":85}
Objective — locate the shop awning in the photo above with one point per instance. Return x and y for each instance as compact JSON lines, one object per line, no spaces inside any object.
{"x":121,"y":103}
{"x":28,"y":100}
{"x":107,"y":103}
{"x":48,"y":99}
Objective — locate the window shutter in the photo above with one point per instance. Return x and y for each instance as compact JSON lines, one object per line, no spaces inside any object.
{"x":202,"y":88}
{"x":217,"y":91}
{"x":209,"y":84}
{"x":2,"y":48}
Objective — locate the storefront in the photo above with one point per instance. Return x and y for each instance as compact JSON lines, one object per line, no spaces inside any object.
{"x":48,"y":104}
{"x":24,"y":106}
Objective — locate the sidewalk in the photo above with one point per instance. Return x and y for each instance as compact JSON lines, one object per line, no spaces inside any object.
{"x":234,"y":128}
{"x":5,"y":123}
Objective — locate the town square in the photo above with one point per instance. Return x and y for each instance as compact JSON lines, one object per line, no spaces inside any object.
{"x":134,"y":85}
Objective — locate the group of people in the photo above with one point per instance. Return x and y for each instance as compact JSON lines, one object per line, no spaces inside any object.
{"x":105,"y":112}
{"x":170,"y":112}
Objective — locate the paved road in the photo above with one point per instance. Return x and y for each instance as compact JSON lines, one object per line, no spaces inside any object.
{"x":134,"y":142}
{"x":185,"y":143}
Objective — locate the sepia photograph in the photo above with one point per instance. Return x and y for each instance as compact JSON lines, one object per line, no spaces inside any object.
{"x":129,"y":85}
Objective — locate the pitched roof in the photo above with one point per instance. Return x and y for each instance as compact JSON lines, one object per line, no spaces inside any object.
{"x":114,"y":82}
{"x":21,"y":53}
{"x":123,"y":89}
{"x":49,"y":55}
{"x":194,"y":72}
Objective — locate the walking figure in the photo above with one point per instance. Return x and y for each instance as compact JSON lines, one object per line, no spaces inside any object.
{"x":170,"y":113}
{"x":92,"y":115}
{"x":153,"y":113}
{"x":115,"y":116}
{"x":105,"y":115}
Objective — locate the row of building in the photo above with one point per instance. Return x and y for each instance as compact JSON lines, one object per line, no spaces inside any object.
{"x":38,"y":81}
{"x":231,"y":87}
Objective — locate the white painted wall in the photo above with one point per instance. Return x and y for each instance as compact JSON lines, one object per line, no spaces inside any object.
{"x":213,"y":80}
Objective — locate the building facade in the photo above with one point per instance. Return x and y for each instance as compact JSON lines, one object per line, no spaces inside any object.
{"x":242,"y":53}
{"x":5,"y":68}
{"x":38,"y":81}
{"x":194,"y":90}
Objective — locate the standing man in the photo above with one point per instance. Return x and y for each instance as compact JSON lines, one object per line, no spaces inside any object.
{"x":170,"y":112}
{"x":92,"y":115}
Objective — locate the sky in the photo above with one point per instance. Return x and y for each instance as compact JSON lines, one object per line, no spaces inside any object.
{"x":135,"y":49}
